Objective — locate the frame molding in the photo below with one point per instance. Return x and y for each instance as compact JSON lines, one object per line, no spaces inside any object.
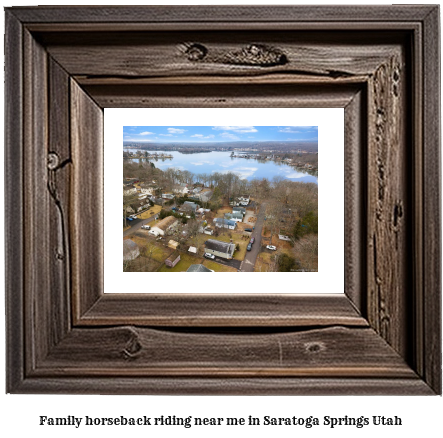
{"x":64,"y":65}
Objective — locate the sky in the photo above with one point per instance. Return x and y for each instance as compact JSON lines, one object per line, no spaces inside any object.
{"x":219,"y":133}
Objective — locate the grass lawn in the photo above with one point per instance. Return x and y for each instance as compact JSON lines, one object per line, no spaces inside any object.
{"x":221,"y":211}
{"x":149,"y":213}
{"x":262,"y":262}
{"x":142,"y":264}
{"x":159,"y":252}
{"x":217,"y":267}
{"x":186,"y":260}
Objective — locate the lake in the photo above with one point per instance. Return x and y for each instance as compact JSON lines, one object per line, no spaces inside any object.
{"x":210,"y":162}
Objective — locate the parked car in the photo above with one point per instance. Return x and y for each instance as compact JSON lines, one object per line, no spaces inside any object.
{"x":252,"y":240}
{"x":146,"y":227}
{"x":174,"y":208}
{"x":129,"y":219}
{"x":209,"y":256}
{"x":249,"y":247}
{"x":271,"y":247}
{"x":133,"y":216}
{"x":248,"y":229}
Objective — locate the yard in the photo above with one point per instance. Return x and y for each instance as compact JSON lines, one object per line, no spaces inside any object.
{"x":186,"y":260}
{"x":236,"y":238}
{"x":150,"y":212}
{"x":217,"y":267}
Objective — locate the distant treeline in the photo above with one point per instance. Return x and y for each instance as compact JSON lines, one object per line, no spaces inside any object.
{"x":306,"y":146}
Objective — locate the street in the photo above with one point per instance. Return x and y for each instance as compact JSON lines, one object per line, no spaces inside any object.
{"x":248,"y":263}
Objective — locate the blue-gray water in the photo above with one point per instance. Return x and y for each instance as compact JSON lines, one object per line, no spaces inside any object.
{"x":221,"y":162}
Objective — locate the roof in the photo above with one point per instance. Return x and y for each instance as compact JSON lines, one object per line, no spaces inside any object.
{"x":234,"y":214}
{"x":198,"y":268}
{"x":219,"y":246}
{"x":130,"y":250}
{"x":225,"y":221}
{"x":193,"y":249}
{"x":188,"y":204}
{"x":166,"y":223}
{"x":243,"y":209}
{"x":173,"y":256}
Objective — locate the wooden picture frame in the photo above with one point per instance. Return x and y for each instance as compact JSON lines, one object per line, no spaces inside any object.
{"x":65,"y":64}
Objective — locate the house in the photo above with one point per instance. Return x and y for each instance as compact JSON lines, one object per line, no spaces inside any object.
{"x":225,"y":223}
{"x":130,"y":250}
{"x":167,"y":196}
{"x":164,"y":226}
{"x":198,"y":268}
{"x":236,"y":217}
{"x":173,"y":259}
{"x":181,"y":189}
{"x":206,"y":230}
{"x":204,"y":196}
{"x":219,"y":248}
{"x":188,"y":208}
{"x":139,"y":206}
{"x":173,"y":244}
{"x":241,"y":210}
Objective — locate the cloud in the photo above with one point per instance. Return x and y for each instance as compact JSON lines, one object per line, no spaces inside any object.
{"x":237,"y":129}
{"x":201,"y":136}
{"x":297,"y":129}
{"x":146,"y":133}
{"x":176,"y":131}
{"x":229,"y":136}
{"x":166,"y":135}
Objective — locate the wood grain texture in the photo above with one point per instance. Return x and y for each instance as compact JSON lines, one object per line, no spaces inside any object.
{"x":129,"y":351}
{"x":431,"y":316}
{"x":64,"y":65}
{"x":227,"y":96}
{"x":86,"y":229}
{"x":14,"y":242}
{"x":166,"y":54}
{"x":222,"y":14}
{"x":355,"y":187}
{"x":388,"y":203}
{"x":206,"y":310}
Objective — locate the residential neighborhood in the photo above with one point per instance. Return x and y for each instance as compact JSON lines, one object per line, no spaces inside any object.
{"x":175,"y":223}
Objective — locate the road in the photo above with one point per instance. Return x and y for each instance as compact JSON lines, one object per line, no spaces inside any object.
{"x":251,"y":256}
{"x":136,"y":224}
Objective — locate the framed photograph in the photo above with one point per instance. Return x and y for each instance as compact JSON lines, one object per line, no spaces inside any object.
{"x":374,"y":325}
{"x":274,"y":227}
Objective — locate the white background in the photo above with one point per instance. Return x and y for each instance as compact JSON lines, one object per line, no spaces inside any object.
{"x":330,"y":123}
{"x":19,"y":413}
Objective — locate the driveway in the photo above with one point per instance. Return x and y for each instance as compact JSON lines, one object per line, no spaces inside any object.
{"x":251,"y":256}
{"x":233,"y":263}
{"x":136,"y":224}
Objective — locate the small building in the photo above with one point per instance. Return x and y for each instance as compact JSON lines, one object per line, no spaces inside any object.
{"x":241,"y":210}
{"x":167,"y":196}
{"x":130,"y":250}
{"x":219,"y":248}
{"x":198,"y":268}
{"x":188,"y":208}
{"x":173,"y":259}
{"x":173,"y":244}
{"x":164,"y":226}
{"x":236,"y":217}
{"x":225,"y":223}
{"x":192,"y":250}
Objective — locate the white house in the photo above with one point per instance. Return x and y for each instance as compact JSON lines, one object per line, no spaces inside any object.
{"x":164,"y":226}
{"x":225,"y":223}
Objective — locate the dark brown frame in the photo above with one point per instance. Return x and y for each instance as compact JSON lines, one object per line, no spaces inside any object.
{"x":64,"y":65}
